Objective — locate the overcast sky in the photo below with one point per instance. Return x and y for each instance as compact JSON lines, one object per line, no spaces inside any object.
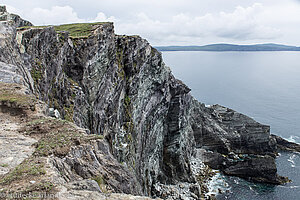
{"x":176,"y":22}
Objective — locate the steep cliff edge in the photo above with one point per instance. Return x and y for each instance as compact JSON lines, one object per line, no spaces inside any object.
{"x":118,"y":86}
{"x":53,"y":157}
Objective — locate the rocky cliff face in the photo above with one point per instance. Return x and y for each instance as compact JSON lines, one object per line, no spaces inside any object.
{"x":118,"y":86}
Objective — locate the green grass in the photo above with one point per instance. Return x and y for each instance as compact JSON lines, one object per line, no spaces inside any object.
{"x":44,"y":186}
{"x":29,"y":167}
{"x":54,"y":136}
{"x":69,"y":111}
{"x":9,"y":94}
{"x":36,"y":74}
{"x":77,"y":30}
{"x":57,"y":136}
{"x":101,"y":182}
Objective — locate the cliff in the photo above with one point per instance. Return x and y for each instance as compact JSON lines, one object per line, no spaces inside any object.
{"x":157,"y":140}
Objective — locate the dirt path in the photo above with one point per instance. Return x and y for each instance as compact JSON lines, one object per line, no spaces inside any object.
{"x":14,"y":147}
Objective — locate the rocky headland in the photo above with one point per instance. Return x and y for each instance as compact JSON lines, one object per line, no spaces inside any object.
{"x":121,"y":126}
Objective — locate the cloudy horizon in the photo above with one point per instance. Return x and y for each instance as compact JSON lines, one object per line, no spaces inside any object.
{"x":176,"y":22}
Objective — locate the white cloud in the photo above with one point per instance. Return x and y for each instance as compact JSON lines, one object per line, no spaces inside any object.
{"x":242,"y":24}
{"x":181,"y":22}
{"x":57,"y":15}
{"x":12,"y":9}
{"x":101,"y":17}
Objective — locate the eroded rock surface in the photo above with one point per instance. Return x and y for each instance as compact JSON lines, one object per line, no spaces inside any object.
{"x":119,"y":87}
{"x":42,"y":155}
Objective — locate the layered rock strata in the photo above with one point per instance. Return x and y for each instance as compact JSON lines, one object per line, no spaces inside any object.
{"x":119,"y":87}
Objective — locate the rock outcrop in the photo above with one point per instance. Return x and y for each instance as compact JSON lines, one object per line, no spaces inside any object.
{"x":42,"y":155}
{"x":286,"y":145}
{"x":119,"y":87}
{"x":12,"y":18}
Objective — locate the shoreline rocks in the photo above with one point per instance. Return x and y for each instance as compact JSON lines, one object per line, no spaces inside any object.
{"x":119,"y":87}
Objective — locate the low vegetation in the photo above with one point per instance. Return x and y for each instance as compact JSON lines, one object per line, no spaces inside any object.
{"x":77,"y":30}
{"x":56,"y":136}
{"x":101,"y":182}
{"x":28,"y":168}
{"x":12,"y":94}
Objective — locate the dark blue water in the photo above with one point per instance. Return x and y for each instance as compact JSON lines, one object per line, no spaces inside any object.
{"x":262,"y":85}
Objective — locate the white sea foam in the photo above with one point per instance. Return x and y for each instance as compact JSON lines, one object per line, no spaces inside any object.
{"x":295,"y":186}
{"x":292,"y":161}
{"x":217,"y":182}
{"x":253,"y":190}
{"x":291,"y":187}
{"x":293,"y":138}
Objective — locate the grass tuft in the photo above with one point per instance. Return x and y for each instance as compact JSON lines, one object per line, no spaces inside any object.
{"x":9,"y":93}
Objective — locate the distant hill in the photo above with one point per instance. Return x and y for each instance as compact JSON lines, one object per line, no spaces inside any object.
{"x":231,"y":47}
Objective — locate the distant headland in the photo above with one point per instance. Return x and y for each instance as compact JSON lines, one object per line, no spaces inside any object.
{"x":231,"y":47}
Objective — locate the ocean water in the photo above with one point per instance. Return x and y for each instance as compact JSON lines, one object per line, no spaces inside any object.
{"x":262,"y":85}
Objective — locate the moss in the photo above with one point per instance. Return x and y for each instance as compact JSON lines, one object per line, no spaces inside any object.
{"x":102,"y":184}
{"x":119,"y":56}
{"x":99,"y":180}
{"x":127,"y":100}
{"x":37,"y":71}
{"x":128,"y":124}
{"x":69,"y":111}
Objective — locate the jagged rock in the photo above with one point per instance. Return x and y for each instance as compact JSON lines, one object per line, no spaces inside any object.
{"x":89,"y":185}
{"x":261,"y":169}
{"x":12,"y":18}
{"x":286,"y":145}
{"x":13,"y":64}
{"x":118,"y":86}
{"x":95,"y":162}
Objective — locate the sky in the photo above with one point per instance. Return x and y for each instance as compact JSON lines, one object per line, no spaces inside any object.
{"x":176,"y":22}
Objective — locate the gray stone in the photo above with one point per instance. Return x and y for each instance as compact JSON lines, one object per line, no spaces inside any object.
{"x":53,"y":113}
{"x":89,"y":185}
{"x":119,"y":87}
{"x":286,"y":145}
{"x":9,"y":74}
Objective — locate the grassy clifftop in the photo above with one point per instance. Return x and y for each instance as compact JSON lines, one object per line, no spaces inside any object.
{"x":76,"y":30}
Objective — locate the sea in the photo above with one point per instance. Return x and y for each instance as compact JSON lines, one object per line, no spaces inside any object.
{"x":262,"y":85}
